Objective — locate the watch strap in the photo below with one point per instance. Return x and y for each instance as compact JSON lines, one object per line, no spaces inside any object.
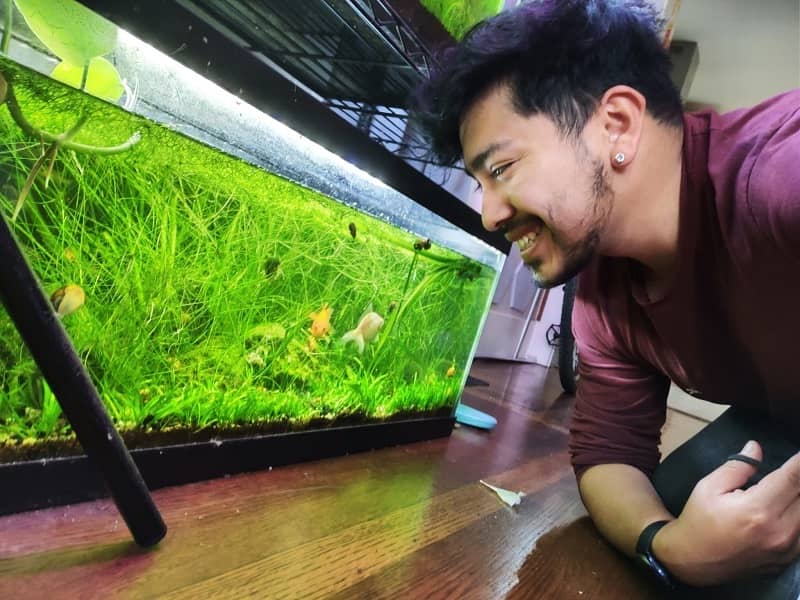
{"x":644,"y":545}
{"x":644,"y":550}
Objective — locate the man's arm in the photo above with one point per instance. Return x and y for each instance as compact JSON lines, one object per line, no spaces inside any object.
{"x":723,"y":532}
{"x":622,"y":502}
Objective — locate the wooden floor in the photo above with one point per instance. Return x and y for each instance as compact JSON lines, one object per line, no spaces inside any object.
{"x":406,"y":522}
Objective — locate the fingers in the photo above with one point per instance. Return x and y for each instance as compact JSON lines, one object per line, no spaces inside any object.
{"x":781,"y":546}
{"x":735,"y":472}
{"x":781,"y":488}
{"x":789,"y":523}
{"x":791,"y":555}
{"x":778,"y":495}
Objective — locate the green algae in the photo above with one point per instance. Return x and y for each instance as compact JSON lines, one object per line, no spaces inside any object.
{"x":184,"y":325}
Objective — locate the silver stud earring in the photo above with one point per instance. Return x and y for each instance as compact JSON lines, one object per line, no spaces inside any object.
{"x":619,"y":158}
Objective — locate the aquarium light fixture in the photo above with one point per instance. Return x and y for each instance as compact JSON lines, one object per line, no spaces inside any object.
{"x":221,"y":97}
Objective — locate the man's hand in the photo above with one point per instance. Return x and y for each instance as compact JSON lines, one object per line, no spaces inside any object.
{"x":724,"y":532}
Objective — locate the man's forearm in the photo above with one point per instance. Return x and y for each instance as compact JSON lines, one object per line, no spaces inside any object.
{"x":622,"y":502}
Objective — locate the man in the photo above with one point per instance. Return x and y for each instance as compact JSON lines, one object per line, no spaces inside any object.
{"x":685,"y":230}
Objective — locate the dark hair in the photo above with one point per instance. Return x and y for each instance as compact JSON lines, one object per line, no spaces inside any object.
{"x":559,"y":57}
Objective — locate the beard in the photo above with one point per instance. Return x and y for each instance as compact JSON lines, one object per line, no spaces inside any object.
{"x":575,"y":260}
{"x":579,"y":253}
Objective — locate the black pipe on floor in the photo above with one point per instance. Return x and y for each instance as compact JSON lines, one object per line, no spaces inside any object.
{"x":42,"y":332}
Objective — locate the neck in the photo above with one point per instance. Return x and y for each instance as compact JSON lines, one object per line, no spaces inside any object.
{"x":644,"y":220}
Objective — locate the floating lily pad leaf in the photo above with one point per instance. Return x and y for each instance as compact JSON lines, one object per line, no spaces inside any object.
{"x":102,"y":80}
{"x":68,"y":29}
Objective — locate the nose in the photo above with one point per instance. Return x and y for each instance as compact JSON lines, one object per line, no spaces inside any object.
{"x":495,"y":209}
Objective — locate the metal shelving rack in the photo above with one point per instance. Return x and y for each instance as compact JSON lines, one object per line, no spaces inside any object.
{"x":359,"y":57}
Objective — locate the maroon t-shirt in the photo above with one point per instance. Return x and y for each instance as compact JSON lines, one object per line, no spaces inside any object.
{"x":728,"y":329}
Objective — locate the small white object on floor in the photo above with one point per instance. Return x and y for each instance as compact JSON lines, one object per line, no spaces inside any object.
{"x":507,"y":496}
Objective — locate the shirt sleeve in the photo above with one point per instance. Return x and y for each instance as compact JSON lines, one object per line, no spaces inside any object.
{"x":621,"y":403}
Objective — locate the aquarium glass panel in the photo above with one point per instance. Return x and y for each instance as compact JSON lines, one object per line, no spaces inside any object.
{"x":217,"y":273}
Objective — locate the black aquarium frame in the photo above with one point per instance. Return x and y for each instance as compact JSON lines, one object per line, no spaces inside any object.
{"x":44,"y":483}
{"x":108,"y":466}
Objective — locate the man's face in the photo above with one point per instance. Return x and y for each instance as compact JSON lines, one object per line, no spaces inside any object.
{"x":549,"y":194}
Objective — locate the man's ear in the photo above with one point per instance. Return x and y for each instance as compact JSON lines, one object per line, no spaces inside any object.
{"x":622,"y":110}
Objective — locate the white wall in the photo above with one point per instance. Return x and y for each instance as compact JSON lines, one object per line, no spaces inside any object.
{"x":749,"y":49}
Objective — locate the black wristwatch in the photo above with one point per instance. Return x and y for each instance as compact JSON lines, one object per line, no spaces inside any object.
{"x":644,"y":551}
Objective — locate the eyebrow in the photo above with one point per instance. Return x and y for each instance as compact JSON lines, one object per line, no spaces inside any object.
{"x":481,"y":158}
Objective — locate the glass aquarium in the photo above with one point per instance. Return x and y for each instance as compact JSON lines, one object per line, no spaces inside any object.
{"x":219,"y":275}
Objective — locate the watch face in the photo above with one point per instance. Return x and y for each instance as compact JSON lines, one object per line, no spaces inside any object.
{"x":655,"y":567}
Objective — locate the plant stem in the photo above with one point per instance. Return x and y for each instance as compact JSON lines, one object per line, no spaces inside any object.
{"x":49,"y":154}
{"x":84,"y":75}
{"x":7,"y":27}
{"x":63,"y":139}
{"x":408,"y":276}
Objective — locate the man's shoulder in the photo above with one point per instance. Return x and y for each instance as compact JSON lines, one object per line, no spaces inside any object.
{"x":735,"y":138}
{"x":759,"y":119}
{"x":779,"y":150}
{"x":772,"y":188}
{"x":752,"y":161}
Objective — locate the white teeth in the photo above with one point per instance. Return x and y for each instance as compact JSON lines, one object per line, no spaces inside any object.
{"x":526,"y":241}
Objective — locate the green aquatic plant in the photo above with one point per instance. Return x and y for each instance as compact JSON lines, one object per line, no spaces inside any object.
{"x":8,"y":16}
{"x":50,"y":414}
{"x":70,"y":30}
{"x":459,"y":16}
{"x":80,"y":38}
{"x":170,"y":241}
{"x":61,"y":140}
{"x":57,"y":142}
{"x":442,"y":274}
{"x":97,"y":77}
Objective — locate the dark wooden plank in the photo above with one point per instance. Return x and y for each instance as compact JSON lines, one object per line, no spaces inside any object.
{"x":573,"y":561}
{"x":524,"y":388}
{"x":482,"y":559}
{"x":266,"y":514}
{"x":404,"y":522}
{"x":449,"y":462}
{"x":337,"y":562}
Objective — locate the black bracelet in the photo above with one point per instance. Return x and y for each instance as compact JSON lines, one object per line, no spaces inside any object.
{"x":644,"y":550}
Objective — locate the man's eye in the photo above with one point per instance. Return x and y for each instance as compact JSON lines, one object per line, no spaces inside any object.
{"x":498,"y":171}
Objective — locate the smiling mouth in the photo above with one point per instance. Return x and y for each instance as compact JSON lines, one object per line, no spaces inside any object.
{"x":526,"y":235}
{"x":526,"y":241}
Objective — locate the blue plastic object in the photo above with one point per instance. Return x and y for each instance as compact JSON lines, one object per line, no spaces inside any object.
{"x":467,"y":415}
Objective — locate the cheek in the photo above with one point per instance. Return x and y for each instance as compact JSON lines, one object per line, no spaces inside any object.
{"x":567,"y":221}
